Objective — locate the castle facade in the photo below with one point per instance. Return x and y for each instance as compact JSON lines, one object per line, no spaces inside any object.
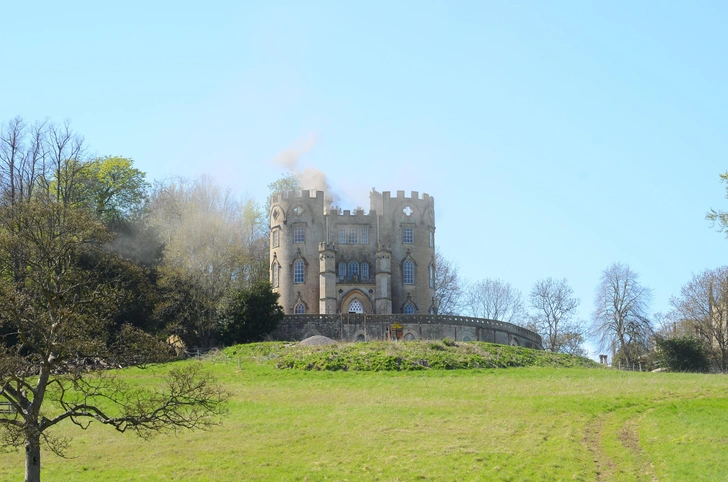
{"x":328,"y":261}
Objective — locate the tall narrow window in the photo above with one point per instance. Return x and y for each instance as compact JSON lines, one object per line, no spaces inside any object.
{"x":353,"y":269}
{"x":409,"y":309}
{"x":432,"y":239}
{"x":298,"y":234}
{"x":299,"y":309}
{"x":276,"y":242}
{"x":342,"y":271}
{"x":275,"y":275}
{"x":365,"y":271}
{"x":353,"y":236}
{"x":298,"y":270}
{"x":364,"y":235}
{"x":408,"y":235}
{"x":408,"y":272}
{"x":342,"y":235}
{"x":432,"y":276}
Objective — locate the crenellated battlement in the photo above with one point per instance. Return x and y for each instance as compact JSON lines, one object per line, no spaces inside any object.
{"x":359,"y":215}
{"x":294,"y":195}
{"x":414,"y":197}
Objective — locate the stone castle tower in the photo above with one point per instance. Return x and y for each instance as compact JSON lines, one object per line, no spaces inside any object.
{"x":324,"y":261}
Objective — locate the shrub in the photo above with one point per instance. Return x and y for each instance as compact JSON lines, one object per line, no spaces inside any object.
{"x":683,"y":354}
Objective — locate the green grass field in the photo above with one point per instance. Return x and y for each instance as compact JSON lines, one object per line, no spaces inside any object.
{"x":535,"y":423}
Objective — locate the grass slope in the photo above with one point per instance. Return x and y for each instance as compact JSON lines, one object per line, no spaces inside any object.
{"x":416,"y":355}
{"x":531,"y":423}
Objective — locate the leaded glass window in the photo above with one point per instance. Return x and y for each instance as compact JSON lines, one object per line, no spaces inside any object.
{"x":298,"y":270}
{"x":365,"y":271}
{"x":408,"y":235}
{"x":409,"y":309}
{"x":408,"y":272}
{"x":353,"y":269}
{"x":342,"y":271}
{"x":298,"y":234}
{"x":299,"y":309}
{"x":353,"y":236}
{"x":356,"y":307}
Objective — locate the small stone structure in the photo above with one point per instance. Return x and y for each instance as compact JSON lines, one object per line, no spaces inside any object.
{"x":367,"y":327}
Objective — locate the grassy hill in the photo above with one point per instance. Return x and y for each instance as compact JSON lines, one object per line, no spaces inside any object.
{"x":327,"y":420}
{"x":386,"y":356}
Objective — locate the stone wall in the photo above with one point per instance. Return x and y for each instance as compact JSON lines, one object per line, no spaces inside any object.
{"x":353,"y":327}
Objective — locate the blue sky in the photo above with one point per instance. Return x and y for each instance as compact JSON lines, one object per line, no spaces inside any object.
{"x":556,"y":137}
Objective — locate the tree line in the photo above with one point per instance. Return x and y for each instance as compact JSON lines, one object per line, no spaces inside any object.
{"x":692,"y":336}
{"x":100,"y":268}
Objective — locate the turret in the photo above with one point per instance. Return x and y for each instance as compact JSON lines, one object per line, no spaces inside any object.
{"x":327,"y":278}
{"x":383,"y":305}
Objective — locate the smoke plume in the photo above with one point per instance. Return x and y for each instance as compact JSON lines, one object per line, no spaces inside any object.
{"x":310,"y":178}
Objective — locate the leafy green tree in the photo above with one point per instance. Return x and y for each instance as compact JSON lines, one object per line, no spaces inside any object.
{"x":720,"y":217}
{"x":286,"y":183}
{"x":251,"y":314}
{"x":56,"y":309}
{"x":683,"y":354}
{"x":112,"y":188}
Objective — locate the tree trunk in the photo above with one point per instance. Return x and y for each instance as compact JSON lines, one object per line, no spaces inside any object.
{"x":32,"y":458}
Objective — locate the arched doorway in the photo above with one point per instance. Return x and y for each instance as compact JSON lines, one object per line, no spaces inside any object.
{"x":363,"y":304}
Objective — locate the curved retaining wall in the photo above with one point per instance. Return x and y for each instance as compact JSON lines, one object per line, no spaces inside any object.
{"x":356,"y":327}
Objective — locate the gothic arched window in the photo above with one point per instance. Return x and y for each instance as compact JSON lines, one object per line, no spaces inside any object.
{"x":365,"y":271}
{"x":299,"y":309}
{"x":353,"y":269}
{"x":409,"y":309}
{"x":342,"y":271}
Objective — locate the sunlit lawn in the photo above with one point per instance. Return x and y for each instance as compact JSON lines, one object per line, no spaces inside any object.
{"x":503,"y":424}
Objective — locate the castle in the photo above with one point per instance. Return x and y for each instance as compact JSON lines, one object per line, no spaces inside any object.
{"x":329,"y":262}
{"x":366,"y":276}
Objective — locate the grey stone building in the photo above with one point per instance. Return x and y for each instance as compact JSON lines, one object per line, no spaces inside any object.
{"x":327,"y":261}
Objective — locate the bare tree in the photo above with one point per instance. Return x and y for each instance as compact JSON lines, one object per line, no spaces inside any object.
{"x":620,"y":312}
{"x":50,"y":323}
{"x":554,"y":311}
{"x":495,"y":300}
{"x":702,"y":309}
{"x":448,"y":288}
{"x":44,"y":158}
{"x":22,"y":158}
